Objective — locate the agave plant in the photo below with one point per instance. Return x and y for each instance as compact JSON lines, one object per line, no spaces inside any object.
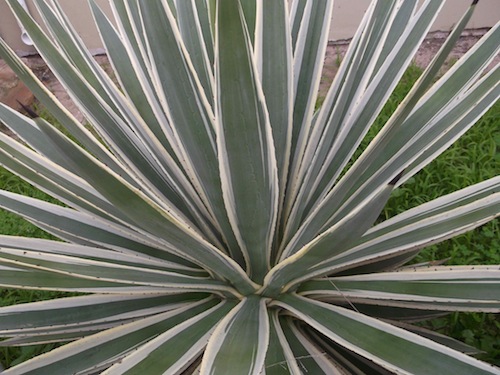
{"x":214,"y":220}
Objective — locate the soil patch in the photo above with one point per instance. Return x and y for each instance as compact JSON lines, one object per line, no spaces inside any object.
{"x":14,"y":93}
{"x":336,"y":51}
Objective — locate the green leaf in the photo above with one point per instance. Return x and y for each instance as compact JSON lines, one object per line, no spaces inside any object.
{"x":133,"y":78}
{"x":465,"y":288}
{"x":386,"y":345}
{"x":14,"y":276}
{"x":190,"y":27}
{"x":109,"y":120}
{"x":308,"y":56}
{"x":240,"y":341}
{"x":50,"y":102}
{"x":249,"y":8}
{"x":151,"y":218}
{"x":65,"y":314}
{"x":101,"y":350}
{"x":244,"y":142}
{"x":428,"y":76}
{"x":174,"y":350}
{"x":431,"y":127}
{"x":189,"y":113}
{"x":203,"y":9}
{"x":115,"y":255}
{"x":401,"y":236}
{"x":309,"y":357}
{"x":368,"y":105}
{"x":343,"y":234}
{"x":216,"y":219}
{"x":52,"y":179}
{"x":279,"y":357}
{"x":273,"y":43}
{"x":107,"y":271}
{"x":84,"y":229}
{"x":176,"y":180}
{"x":440,"y":338}
{"x":348,"y":86}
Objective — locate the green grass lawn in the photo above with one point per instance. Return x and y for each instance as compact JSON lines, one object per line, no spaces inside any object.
{"x":473,"y":159}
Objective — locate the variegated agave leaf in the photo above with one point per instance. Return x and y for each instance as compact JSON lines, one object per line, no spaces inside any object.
{"x":208,"y":218}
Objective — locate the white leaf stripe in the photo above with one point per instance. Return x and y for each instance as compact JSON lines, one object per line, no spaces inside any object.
{"x":142,"y":90}
{"x":47,"y":339}
{"x":273,"y":43}
{"x":296,"y":13}
{"x":426,"y":141}
{"x":69,"y":44}
{"x":413,"y":309}
{"x":463,"y":121}
{"x":130,"y":28}
{"x":407,"y":10}
{"x":418,"y":90}
{"x":131,"y":76}
{"x":187,"y":84}
{"x":438,"y":337}
{"x":192,"y":34}
{"x":29,"y":132}
{"x":283,"y":362}
{"x":348,"y":363}
{"x":444,"y":273}
{"x":78,"y":54}
{"x":176,"y":271}
{"x":459,"y":198}
{"x":70,"y":333}
{"x":433,"y":121}
{"x":203,"y":9}
{"x":370,"y":101}
{"x":21,"y":277}
{"x":52,"y":179}
{"x":137,"y":88}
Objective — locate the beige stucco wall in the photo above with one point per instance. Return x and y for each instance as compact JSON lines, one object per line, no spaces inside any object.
{"x":347,"y":15}
{"x":77,"y":10}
